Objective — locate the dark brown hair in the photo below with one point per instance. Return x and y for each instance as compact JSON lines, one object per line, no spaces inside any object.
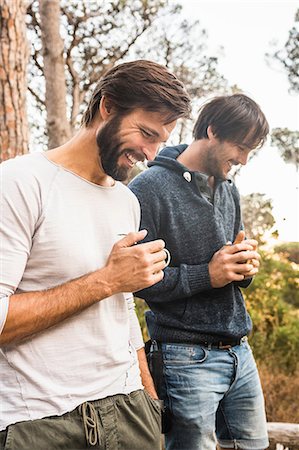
{"x":233,"y":118}
{"x":140,"y":84}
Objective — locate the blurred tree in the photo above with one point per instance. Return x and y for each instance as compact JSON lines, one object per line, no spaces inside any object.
{"x":97,"y":35}
{"x":287,"y":142}
{"x":58,"y":127}
{"x":288,"y":56}
{"x":13,"y":64}
{"x":290,"y":250}
{"x":257,"y":215}
{"x":182,"y":47}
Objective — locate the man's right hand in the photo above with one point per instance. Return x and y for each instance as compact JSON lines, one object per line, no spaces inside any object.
{"x":133,"y":267}
{"x":233,"y":262}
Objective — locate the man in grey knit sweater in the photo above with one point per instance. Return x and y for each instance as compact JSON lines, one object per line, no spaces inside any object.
{"x":198,"y":316}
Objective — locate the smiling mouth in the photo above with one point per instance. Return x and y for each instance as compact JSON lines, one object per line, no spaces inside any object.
{"x":133,"y":158}
{"x":231,"y":164}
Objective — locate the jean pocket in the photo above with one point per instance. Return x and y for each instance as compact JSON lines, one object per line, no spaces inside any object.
{"x":177,"y":354}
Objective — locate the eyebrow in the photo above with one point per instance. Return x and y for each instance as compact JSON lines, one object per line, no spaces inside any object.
{"x":244,"y":146}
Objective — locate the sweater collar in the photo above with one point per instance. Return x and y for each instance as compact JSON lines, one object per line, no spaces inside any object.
{"x":168,"y":158}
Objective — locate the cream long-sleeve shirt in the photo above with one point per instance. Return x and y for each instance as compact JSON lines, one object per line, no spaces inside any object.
{"x":56,"y":226}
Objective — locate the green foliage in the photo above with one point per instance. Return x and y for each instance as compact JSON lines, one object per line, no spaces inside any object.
{"x":288,"y":56}
{"x":290,"y":250}
{"x":141,"y":307}
{"x":287,"y":143}
{"x":257,"y":215}
{"x":270,"y":301}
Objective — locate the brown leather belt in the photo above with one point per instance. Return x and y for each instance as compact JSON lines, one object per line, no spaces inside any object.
{"x":225,"y":344}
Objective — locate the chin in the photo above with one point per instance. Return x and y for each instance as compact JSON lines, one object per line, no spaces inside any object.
{"x":121,"y":174}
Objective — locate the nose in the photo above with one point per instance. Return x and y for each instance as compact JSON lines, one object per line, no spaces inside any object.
{"x":243,"y":158}
{"x":151,"y":150}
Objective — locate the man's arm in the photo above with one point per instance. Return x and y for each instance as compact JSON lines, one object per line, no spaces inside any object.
{"x":137,"y":341}
{"x":129,"y":268}
{"x":146,"y":377}
{"x":186,"y":280}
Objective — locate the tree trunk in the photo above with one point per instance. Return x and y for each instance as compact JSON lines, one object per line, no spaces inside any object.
{"x":58,"y":126}
{"x":13,"y":85}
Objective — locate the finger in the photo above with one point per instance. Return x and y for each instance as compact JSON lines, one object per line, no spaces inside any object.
{"x":251,"y":274}
{"x":237,"y":248}
{"x":244,"y":257}
{"x":153,"y":246}
{"x":131,"y":239}
{"x":243,"y":268}
{"x":159,"y":257}
{"x":157,"y":267}
{"x":238,"y":277}
{"x":158,"y":276}
{"x":240,"y":237}
{"x":254,"y":262}
{"x":252,"y":242}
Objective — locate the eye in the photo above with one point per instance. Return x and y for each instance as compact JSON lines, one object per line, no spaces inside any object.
{"x":146,"y":133}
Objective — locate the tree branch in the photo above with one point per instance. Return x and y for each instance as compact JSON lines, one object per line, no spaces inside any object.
{"x":37,"y":98}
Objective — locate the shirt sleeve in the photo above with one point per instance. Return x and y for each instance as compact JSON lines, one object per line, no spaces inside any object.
{"x":4,"y":301}
{"x":180,"y":281}
{"x":19,"y":211}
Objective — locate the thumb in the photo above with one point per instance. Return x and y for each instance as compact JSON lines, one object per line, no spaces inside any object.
{"x":240,"y":237}
{"x":132,"y":239}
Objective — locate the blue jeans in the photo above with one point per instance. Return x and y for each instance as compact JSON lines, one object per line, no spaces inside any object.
{"x":214,"y":396}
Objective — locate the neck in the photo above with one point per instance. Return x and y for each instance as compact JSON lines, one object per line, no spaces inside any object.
{"x":194,"y":158}
{"x":80,"y":155}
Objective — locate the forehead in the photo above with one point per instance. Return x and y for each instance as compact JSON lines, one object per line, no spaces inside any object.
{"x":250,"y":140}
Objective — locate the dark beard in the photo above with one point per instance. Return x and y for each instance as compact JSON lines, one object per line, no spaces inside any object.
{"x":109,"y":144}
{"x":212,"y":167}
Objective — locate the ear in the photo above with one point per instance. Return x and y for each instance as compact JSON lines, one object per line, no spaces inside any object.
{"x":210,"y":133}
{"x":105,"y":108}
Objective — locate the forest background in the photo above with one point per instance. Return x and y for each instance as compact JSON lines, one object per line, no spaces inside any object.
{"x":51,"y":55}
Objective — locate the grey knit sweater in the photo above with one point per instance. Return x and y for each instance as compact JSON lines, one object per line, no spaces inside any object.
{"x":184,"y":306}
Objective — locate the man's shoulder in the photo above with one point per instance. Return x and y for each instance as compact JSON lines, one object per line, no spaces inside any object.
{"x":28,"y":164}
{"x":27,"y":173}
{"x":153,"y":175}
{"x":125,"y":192}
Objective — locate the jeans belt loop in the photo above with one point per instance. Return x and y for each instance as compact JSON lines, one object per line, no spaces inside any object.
{"x":224,"y":347}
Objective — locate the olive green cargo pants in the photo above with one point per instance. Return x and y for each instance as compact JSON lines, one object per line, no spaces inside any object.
{"x":119,"y":422}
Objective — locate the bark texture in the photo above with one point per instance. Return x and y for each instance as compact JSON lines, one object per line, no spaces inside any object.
{"x":13,"y":85}
{"x":58,"y":126}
